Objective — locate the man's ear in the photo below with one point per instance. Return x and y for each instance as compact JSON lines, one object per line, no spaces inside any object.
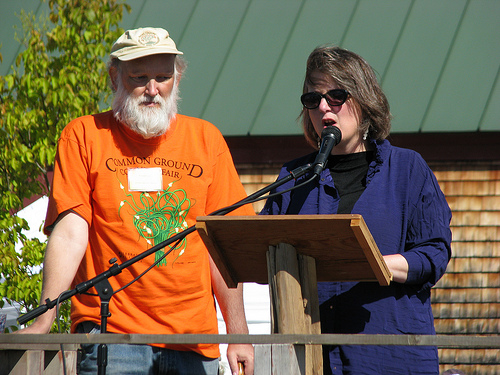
{"x":113,"y":76}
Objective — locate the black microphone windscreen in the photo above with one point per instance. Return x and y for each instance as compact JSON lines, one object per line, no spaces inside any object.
{"x":332,"y":131}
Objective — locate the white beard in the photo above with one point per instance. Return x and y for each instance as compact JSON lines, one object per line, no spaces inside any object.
{"x":146,"y":121}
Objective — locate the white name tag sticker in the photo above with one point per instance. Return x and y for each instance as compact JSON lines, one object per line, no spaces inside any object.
{"x":145,"y":179}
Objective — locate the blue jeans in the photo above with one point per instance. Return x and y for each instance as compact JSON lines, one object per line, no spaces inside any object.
{"x":129,"y":359}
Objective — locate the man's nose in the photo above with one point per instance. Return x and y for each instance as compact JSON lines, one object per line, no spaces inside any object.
{"x":152,"y":87}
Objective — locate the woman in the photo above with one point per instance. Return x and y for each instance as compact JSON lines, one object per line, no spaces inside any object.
{"x":401,"y":202}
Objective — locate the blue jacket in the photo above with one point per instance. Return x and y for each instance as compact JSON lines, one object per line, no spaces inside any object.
{"x":407,"y":214}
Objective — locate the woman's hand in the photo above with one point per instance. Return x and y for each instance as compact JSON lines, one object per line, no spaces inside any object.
{"x":398,"y":266}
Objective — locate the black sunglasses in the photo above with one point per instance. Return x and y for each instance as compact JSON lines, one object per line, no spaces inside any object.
{"x":336,"y":97}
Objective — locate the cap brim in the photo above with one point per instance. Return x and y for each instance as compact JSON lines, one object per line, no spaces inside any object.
{"x":126,"y":54}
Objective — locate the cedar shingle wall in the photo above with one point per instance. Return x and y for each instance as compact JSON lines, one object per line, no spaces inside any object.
{"x":466,"y":301}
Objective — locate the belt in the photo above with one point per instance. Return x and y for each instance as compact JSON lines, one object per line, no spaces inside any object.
{"x":86,"y":327}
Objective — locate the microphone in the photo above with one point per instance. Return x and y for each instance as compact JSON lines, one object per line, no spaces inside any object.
{"x":330,"y":136}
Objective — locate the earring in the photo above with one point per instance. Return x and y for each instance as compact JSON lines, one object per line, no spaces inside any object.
{"x":365,"y":135}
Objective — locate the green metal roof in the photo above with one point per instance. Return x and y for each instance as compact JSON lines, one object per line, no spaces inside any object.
{"x":438,"y":60}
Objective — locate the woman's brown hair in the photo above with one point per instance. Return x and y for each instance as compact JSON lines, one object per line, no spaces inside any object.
{"x":352,"y":73}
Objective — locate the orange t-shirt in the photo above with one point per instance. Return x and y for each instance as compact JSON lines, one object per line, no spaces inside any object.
{"x":196,"y":174}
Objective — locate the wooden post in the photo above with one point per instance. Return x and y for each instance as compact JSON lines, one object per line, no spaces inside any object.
{"x":294,"y":309}
{"x":312,"y":324}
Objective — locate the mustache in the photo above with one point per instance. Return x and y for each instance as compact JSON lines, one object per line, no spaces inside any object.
{"x":148,"y":99}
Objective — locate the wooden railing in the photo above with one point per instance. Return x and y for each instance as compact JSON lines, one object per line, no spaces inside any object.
{"x":40,"y":354}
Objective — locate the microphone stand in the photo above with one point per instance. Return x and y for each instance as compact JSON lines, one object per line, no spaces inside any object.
{"x":101,"y":281}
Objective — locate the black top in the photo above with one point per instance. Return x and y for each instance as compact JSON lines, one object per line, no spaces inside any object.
{"x":349,"y":176}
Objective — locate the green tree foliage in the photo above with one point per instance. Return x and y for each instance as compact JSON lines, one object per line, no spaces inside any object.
{"x":59,"y":76}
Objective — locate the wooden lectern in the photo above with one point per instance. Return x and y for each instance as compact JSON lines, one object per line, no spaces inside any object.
{"x":292,"y":253}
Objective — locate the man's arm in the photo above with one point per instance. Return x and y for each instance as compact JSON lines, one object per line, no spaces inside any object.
{"x":231,"y":304}
{"x":65,"y":249}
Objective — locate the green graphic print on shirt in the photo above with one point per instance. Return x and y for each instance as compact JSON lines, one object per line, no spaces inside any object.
{"x":158,"y":216}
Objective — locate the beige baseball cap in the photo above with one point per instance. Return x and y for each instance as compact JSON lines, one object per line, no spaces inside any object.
{"x":141,"y":42}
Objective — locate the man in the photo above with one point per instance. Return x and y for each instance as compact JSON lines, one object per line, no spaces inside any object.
{"x":124,"y":181}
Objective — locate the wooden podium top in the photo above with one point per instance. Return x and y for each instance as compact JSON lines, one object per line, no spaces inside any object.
{"x":341,"y":244}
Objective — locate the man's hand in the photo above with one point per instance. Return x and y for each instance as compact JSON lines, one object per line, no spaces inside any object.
{"x":240,"y":353}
